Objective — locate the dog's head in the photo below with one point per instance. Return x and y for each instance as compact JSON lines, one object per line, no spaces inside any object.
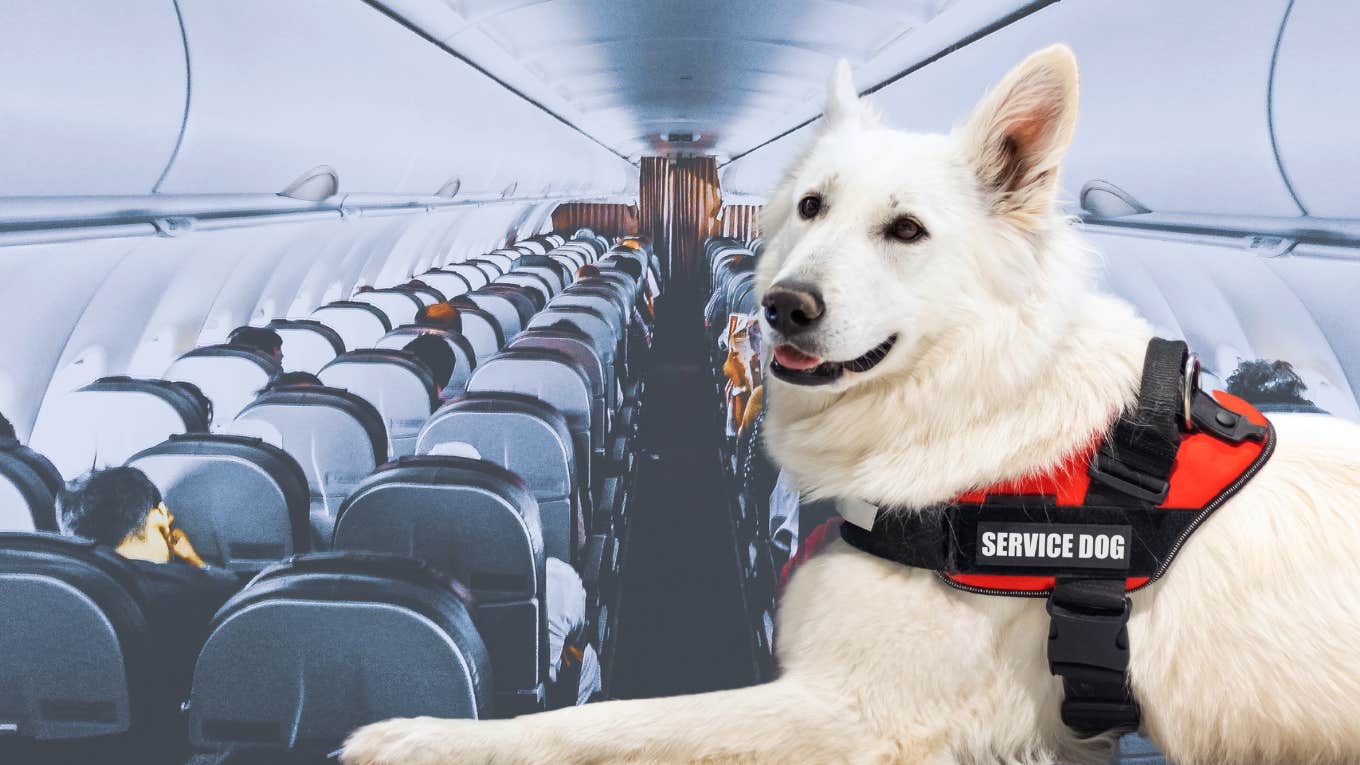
{"x":880,"y":242}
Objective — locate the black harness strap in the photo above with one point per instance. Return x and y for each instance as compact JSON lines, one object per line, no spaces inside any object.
{"x":1088,"y":645}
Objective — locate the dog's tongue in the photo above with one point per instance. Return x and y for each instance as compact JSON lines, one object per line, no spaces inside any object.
{"x":792,"y":358}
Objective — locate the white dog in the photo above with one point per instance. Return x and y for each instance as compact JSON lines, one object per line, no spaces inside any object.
{"x":1006,"y":360}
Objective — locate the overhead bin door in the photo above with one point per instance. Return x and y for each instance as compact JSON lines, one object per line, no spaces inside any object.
{"x":92,"y":96}
{"x":1156,"y":121}
{"x":1316,"y":109}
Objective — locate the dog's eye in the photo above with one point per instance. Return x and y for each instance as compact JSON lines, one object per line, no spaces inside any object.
{"x":809,"y":206}
{"x":906,"y":230}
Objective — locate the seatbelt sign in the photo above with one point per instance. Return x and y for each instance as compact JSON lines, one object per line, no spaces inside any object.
{"x":1054,"y":545}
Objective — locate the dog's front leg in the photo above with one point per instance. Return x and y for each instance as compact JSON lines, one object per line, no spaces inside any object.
{"x":780,"y":722}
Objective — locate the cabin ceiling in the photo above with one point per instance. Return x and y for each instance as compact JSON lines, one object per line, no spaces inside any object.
{"x":733,"y":73}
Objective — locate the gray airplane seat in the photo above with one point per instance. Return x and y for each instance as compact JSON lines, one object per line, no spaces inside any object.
{"x":596,"y":326}
{"x":558,"y":277}
{"x":242,"y":501}
{"x":502,"y":309}
{"x":337,"y":437}
{"x":307,"y":344}
{"x":474,"y":276}
{"x":567,"y":339}
{"x":427,"y":294}
{"x":398,"y":304}
{"x":395,"y":382}
{"x":359,"y":325}
{"x":450,"y":283}
{"x":554,"y":378}
{"x":75,"y":647}
{"x":465,"y":358}
{"x":533,"y":281}
{"x":596,"y":301}
{"x":492,"y":268}
{"x":479,"y":327}
{"x":525,"y":436}
{"x":228,"y":375}
{"x":479,"y":522}
{"x":112,"y":418}
{"x":604,"y":288}
{"x":505,"y":258}
{"x":524,"y":299}
{"x":29,"y":485}
{"x":320,"y":644}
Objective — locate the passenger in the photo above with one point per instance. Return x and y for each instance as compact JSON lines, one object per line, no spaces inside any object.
{"x":200,"y":399}
{"x":121,"y":508}
{"x":292,"y":380}
{"x":438,"y":358}
{"x":439,"y":316}
{"x":1271,"y":386}
{"x":261,"y":339}
{"x":588,"y":270}
{"x":573,"y":660}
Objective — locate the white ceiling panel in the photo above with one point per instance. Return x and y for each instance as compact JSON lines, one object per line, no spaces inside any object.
{"x":732,"y":73}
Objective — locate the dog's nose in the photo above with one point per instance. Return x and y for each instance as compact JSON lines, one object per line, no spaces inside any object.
{"x":793,"y":308}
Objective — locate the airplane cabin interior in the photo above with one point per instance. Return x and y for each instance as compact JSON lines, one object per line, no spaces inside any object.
{"x":419,"y":315}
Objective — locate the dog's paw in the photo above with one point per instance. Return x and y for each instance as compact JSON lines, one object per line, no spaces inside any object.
{"x":417,"y":741}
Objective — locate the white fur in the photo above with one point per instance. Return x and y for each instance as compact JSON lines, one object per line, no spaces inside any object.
{"x":1008,"y":360}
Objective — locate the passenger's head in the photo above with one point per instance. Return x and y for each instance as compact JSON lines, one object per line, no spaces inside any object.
{"x":6,"y":429}
{"x":261,"y":339}
{"x":119,"y":507}
{"x":362,"y":288}
{"x":437,"y":355}
{"x":439,"y":316}
{"x":587,"y":270}
{"x":292,"y":380}
{"x":199,"y":398}
{"x":1263,"y":381}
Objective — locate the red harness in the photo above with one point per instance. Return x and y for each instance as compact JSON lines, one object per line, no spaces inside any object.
{"x":1207,"y":469}
{"x":1107,"y":521}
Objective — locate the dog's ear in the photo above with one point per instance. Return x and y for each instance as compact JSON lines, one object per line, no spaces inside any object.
{"x":843,"y":105}
{"x":1017,"y":135}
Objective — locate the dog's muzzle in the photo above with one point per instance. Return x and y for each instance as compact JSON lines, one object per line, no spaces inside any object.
{"x":829,"y":371}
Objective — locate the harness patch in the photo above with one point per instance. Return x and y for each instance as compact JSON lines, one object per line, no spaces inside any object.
{"x":1041,"y":545}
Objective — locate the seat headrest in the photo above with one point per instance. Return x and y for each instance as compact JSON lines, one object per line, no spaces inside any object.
{"x":380,"y":367}
{"x":243,"y":502}
{"x":471,"y":518}
{"x":75,"y":645}
{"x":307,"y":344}
{"x":353,"y":407}
{"x":229,"y":375}
{"x":310,"y":648}
{"x":109,"y":420}
{"x":28,"y":493}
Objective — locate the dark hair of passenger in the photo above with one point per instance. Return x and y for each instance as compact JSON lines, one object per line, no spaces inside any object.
{"x":1263,"y":381}
{"x":292,"y":380}
{"x":418,"y":284}
{"x":362,"y":288}
{"x":262,"y":339}
{"x":439,"y":316}
{"x":6,"y":429}
{"x":588,"y":270}
{"x":106,"y":505}
{"x":200,"y":398}
{"x":435,"y":354}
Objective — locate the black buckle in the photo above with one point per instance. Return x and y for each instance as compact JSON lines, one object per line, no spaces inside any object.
{"x":1080,"y":641}
{"x":1124,"y":479}
{"x":1092,"y":717}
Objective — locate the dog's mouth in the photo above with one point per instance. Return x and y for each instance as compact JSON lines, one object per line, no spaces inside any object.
{"x":794,"y":366}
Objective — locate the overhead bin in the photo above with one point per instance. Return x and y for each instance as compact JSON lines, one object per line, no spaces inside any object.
{"x":279,"y":88}
{"x":1155,"y":121}
{"x":1314,"y":110}
{"x":93,"y":96}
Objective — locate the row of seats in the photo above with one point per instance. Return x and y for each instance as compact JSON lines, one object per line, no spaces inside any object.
{"x":350,"y":505}
{"x":733,"y":333}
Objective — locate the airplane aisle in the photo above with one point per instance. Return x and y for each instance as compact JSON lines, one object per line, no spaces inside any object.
{"x":681,"y":617}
